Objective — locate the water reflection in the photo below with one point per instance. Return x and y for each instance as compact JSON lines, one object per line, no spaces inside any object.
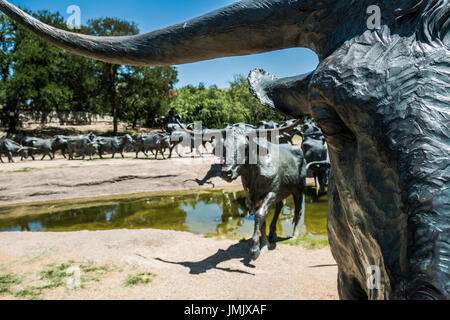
{"x":202,"y":213}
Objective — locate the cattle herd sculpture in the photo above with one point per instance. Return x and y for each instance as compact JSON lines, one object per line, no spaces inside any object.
{"x":381,"y":97}
{"x":173,"y":135}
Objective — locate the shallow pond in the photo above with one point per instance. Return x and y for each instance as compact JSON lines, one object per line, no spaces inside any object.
{"x":218,"y":212}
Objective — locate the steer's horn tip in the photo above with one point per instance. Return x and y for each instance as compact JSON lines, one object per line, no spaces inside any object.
{"x":258,"y":80}
{"x":185,"y":129}
{"x":320,"y":163}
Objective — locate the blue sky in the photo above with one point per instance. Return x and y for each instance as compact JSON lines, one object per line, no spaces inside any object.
{"x":155,"y":14}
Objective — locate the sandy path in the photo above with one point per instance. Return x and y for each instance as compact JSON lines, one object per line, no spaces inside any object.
{"x":36,"y":181}
{"x":187,"y":266}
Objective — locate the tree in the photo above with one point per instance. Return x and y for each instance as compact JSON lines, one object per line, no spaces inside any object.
{"x":40,"y":70}
{"x":215,"y":107}
{"x":144,"y":92}
{"x":7,"y":50}
{"x":109,"y":73}
{"x":250,"y":107}
{"x":43,"y":77}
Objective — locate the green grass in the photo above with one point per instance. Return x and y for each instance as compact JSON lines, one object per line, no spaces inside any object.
{"x":30,"y":293}
{"x":7,"y":281}
{"x":92,"y":272}
{"x":89,"y":267}
{"x":139,"y":279}
{"x":20,"y":170}
{"x":58,"y":275}
{"x":55,"y":275}
{"x":24,"y":170}
{"x":307,"y":243}
{"x":210,"y":235}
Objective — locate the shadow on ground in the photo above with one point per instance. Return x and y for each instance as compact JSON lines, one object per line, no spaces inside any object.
{"x":236,"y":251}
{"x":214,"y":171}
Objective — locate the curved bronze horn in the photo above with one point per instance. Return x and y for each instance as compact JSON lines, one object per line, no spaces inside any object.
{"x":313,"y":134}
{"x":258,"y":131}
{"x":191,"y":132}
{"x":27,"y":148}
{"x":280,"y":130}
{"x":325,"y":163}
{"x":246,"y":27}
{"x":210,"y":132}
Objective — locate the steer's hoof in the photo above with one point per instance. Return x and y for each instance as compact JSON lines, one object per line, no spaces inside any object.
{"x":255,"y":253}
{"x":273,"y":238}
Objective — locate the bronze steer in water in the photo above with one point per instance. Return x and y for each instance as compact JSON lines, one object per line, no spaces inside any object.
{"x":270,"y":172}
{"x":268,"y":179}
{"x":380,"y":95}
{"x":316,"y":155}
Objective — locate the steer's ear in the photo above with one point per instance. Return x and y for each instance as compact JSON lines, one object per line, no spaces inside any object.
{"x":288,"y":96}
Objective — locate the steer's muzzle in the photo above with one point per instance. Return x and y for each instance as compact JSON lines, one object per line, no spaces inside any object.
{"x":24,"y":153}
{"x":230,"y":173}
{"x":227,"y":175}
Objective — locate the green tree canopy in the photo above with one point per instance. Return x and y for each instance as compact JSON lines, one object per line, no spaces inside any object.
{"x":109,"y":73}
{"x":145,"y":93}
{"x":47,"y":78}
{"x":215,"y":107}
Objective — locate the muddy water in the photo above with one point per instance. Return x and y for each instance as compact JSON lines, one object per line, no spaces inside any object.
{"x":218,"y":212}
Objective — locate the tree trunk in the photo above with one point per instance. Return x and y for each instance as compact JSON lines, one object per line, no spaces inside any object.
{"x":11,"y":104}
{"x":114,"y":112}
{"x":136,"y":114}
{"x":12,"y":115}
{"x":113,"y":74}
{"x":12,"y":128}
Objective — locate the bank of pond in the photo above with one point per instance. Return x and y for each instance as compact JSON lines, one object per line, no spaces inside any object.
{"x":212,"y":212}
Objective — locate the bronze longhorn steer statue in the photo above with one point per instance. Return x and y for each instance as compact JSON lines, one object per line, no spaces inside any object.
{"x":381,"y":97}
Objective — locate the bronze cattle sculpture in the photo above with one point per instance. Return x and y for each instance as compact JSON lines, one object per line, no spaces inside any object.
{"x":270,"y":173}
{"x":381,"y":97}
{"x":268,"y":181}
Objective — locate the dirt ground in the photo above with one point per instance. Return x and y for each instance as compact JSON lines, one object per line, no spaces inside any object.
{"x":37,"y":181}
{"x":182,"y":266}
{"x":143,"y":264}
